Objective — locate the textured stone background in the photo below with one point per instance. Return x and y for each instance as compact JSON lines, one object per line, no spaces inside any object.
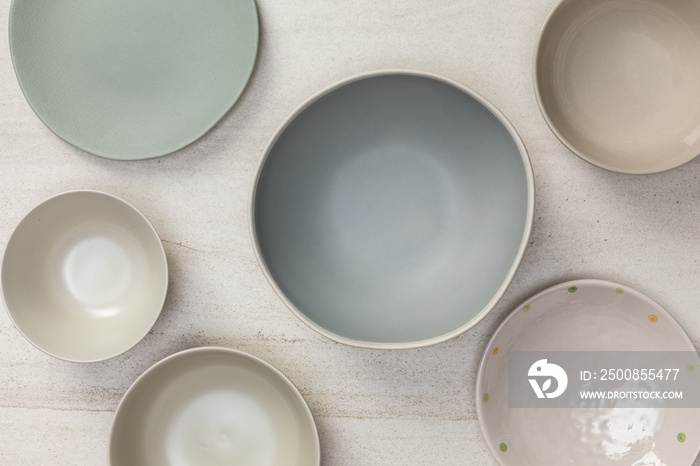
{"x":372,"y":407}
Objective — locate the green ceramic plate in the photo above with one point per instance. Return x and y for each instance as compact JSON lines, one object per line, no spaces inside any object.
{"x":132,"y":79}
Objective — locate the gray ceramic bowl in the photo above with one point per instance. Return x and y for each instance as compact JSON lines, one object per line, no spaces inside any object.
{"x":392,"y":209}
{"x":84,"y":276}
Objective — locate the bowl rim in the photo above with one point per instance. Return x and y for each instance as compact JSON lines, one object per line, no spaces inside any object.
{"x":219,"y":350}
{"x":109,"y":156}
{"x":530,"y":180}
{"x":550,"y":122}
{"x":480,"y":372}
{"x":163,"y":260}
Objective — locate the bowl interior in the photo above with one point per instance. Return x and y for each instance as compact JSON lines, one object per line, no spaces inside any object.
{"x":392,"y":209}
{"x":215,"y":407}
{"x":618,"y":81}
{"x":84,"y":276}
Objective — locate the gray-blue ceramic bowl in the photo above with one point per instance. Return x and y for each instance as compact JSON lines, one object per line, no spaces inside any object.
{"x":392,"y":209}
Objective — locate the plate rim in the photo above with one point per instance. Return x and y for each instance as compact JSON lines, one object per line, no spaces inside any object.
{"x":216,"y":350}
{"x":530,"y":211}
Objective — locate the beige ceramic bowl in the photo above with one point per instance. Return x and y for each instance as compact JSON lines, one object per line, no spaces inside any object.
{"x":84,"y":276}
{"x":213,"y":406}
{"x":618,"y":81}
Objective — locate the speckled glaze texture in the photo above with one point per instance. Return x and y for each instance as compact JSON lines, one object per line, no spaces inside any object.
{"x":617,"y":81}
{"x":132,"y":79}
{"x":584,"y":315}
{"x":215,"y":407}
{"x":393,"y":209}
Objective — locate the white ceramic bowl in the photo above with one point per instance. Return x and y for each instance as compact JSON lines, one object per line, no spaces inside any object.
{"x":84,"y":276}
{"x":213,"y":406}
{"x":618,"y":81}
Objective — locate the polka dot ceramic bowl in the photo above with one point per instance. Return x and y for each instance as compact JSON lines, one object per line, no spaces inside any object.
{"x":584,"y":316}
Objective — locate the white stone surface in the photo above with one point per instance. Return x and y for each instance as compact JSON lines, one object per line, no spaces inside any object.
{"x":410,"y":407}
